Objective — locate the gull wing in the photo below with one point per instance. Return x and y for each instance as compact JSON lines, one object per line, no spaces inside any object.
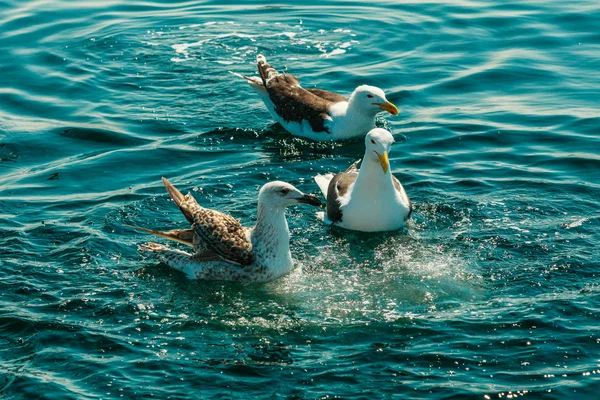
{"x":292,"y":102}
{"x":338,"y":187}
{"x":221,"y":233}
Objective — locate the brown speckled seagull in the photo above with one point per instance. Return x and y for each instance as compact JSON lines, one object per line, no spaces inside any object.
{"x":226,"y":250}
{"x":315,"y":113}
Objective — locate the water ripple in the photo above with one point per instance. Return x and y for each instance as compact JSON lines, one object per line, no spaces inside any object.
{"x":492,"y":290}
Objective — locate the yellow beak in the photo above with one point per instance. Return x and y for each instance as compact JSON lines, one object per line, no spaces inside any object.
{"x":389,"y":107}
{"x":383,"y":160}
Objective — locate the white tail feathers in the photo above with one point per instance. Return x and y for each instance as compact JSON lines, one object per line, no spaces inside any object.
{"x":323,"y":182}
{"x":238,"y":75}
{"x":254,"y":81}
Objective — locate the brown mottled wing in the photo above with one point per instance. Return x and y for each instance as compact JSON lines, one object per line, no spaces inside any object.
{"x":185,"y":236}
{"x":338,"y":187}
{"x":222,"y":233}
{"x":292,"y":102}
{"x":327,"y":95}
{"x":200,"y":258}
{"x":400,"y":189}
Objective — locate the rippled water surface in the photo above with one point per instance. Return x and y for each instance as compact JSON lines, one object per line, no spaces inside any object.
{"x":492,"y":292}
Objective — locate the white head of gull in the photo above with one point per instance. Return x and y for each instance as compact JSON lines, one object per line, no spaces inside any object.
{"x":223,"y":248}
{"x":370,"y":101}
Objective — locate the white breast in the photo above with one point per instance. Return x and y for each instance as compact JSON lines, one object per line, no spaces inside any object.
{"x":368,"y":213}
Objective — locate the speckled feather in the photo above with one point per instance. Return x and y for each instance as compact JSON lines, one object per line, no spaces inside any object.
{"x":209,"y":268}
{"x":221,"y":232}
{"x":260,"y":254}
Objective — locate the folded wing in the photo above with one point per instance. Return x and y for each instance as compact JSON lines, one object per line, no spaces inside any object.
{"x":292,"y":102}
{"x":339,"y":187}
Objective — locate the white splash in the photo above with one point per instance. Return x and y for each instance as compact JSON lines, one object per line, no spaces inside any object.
{"x":576,"y":223}
{"x":335,"y":52}
{"x":228,"y":43}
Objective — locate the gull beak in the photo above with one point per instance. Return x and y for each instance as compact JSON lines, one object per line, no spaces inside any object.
{"x":389,"y":107}
{"x":383,"y":160}
{"x":309,"y":199}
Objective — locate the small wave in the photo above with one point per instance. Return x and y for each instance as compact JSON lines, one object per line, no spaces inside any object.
{"x":243,"y":44}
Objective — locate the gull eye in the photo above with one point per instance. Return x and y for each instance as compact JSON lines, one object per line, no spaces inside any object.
{"x":372,"y":141}
{"x":370,"y":96}
{"x":284,"y":191}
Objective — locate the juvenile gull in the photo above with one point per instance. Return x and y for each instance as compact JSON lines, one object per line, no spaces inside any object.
{"x":315,"y":113}
{"x":226,"y":250}
{"x":370,"y":199}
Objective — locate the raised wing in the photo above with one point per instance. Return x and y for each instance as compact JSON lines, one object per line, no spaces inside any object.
{"x":221,"y":233}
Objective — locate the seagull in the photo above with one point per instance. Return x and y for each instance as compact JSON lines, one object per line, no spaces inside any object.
{"x":370,"y":199}
{"x":226,"y":250}
{"x":317,"y":114}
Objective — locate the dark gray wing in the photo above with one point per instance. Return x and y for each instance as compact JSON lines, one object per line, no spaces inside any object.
{"x":292,"y":102}
{"x":400,"y":189}
{"x":327,"y":95}
{"x":221,"y":233}
{"x":338,"y":187}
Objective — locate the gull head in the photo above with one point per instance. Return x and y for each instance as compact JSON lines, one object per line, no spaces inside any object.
{"x":371,"y":100}
{"x":378,"y":143}
{"x":281,"y":195}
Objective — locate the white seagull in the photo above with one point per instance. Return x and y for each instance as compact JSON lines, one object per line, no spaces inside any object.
{"x":314,"y":113}
{"x":370,"y":199}
{"x":226,"y":250}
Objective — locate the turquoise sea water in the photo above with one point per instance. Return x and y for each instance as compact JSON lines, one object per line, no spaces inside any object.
{"x":491,"y":293}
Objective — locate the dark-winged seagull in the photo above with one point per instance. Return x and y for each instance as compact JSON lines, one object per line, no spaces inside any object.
{"x":370,"y":199}
{"x":317,"y":114}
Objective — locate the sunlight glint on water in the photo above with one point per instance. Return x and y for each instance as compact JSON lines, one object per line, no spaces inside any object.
{"x":491,"y":291}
